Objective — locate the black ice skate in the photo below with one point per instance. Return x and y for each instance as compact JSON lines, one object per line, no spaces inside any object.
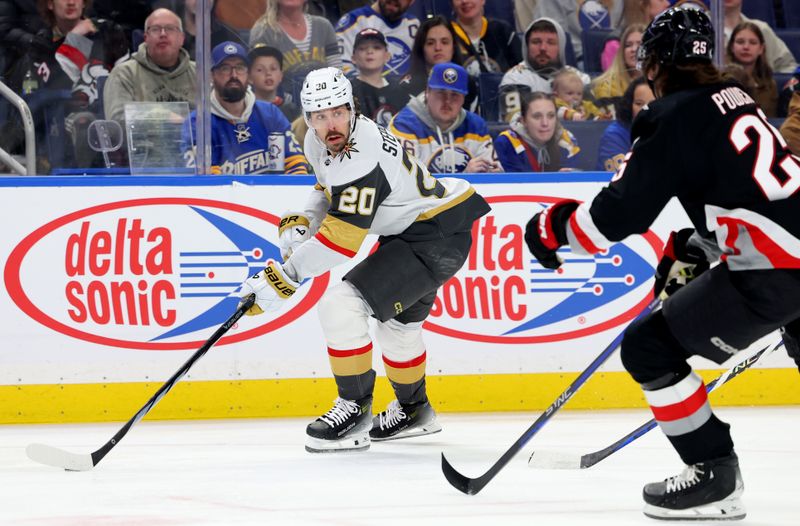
{"x":704,"y":491}
{"x":403,"y":421}
{"x":344,"y":428}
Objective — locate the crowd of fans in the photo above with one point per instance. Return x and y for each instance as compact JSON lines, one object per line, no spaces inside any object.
{"x":433,"y":77}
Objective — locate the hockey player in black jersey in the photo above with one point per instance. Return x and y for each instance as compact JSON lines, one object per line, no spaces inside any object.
{"x":705,"y":142}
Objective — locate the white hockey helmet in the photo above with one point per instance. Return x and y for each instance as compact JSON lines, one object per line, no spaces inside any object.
{"x":325,"y":88}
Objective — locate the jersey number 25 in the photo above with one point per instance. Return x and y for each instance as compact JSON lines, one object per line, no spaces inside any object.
{"x":775,"y":186}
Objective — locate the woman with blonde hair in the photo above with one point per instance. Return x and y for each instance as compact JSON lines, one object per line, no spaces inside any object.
{"x":307,"y":42}
{"x":611,"y":85}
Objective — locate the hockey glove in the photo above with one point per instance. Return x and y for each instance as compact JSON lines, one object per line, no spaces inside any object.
{"x":679,"y":265}
{"x":547,"y":231}
{"x":293,"y":231}
{"x":272,"y":288}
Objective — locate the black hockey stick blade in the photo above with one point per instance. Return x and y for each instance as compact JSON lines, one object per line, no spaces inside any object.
{"x":52,"y":456}
{"x":562,"y":460}
{"x":472,"y":486}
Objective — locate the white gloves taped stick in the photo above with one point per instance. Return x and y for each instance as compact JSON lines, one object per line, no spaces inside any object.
{"x":272,"y":288}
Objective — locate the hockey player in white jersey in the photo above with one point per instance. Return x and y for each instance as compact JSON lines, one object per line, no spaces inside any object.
{"x":367,"y":183}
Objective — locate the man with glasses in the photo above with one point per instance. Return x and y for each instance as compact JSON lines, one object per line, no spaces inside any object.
{"x":241,"y":125}
{"x":160,"y":71}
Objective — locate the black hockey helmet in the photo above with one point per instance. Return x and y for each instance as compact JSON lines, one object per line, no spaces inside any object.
{"x":676,"y":36}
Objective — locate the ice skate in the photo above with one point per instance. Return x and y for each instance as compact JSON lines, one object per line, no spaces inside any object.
{"x":404,"y":421}
{"x":704,"y":491}
{"x":344,"y":428}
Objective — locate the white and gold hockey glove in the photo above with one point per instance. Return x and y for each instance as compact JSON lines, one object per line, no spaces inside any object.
{"x":293,"y":230}
{"x":272,"y":288}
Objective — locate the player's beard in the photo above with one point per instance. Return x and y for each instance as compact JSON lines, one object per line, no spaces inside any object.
{"x":233,"y":92}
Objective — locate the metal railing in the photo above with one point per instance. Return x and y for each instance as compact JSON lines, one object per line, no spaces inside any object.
{"x":30,"y":138}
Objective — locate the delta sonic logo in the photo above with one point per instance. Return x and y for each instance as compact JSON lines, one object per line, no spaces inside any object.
{"x":153,"y":274}
{"x":503,"y":295}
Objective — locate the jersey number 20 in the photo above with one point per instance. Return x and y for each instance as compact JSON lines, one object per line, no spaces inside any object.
{"x":774,"y":186}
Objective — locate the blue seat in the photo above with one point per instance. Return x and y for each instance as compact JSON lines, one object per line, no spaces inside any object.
{"x":488,"y":94}
{"x":791,"y":14}
{"x":792,"y":39}
{"x":593,"y":42}
{"x":501,"y":10}
{"x":440,"y":7}
{"x":588,"y":135}
{"x":760,"y":10}
{"x":49,"y":108}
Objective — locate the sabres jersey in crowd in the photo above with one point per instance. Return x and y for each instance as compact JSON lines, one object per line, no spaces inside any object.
{"x":442,"y":151}
{"x":713,"y":149}
{"x":373,"y":186}
{"x":518,"y":152}
{"x":240,"y":144}
{"x":614,"y":144}
{"x":399,"y":37}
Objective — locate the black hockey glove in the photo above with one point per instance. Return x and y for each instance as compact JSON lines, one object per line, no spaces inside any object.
{"x":547,"y":231}
{"x":679,"y":265}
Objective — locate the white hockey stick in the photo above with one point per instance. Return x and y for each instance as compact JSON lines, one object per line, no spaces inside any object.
{"x":53,"y":456}
{"x":545,"y":459}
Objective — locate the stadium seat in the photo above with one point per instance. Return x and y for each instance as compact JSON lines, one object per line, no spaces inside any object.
{"x":501,"y":10}
{"x":781,"y":79}
{"x":588,"y":135}
{"x":792,"y":39}
{"x":488,"y":84}
{"x":440,"y":7}
{"x":593,"y":41}
{"x":52,"y":142}
{"x":569,"y":52}
{"x":791,"y":14}
{"x":760,"y":10}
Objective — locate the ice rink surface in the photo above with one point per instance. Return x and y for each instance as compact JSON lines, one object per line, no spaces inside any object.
{"x":257,"y":472}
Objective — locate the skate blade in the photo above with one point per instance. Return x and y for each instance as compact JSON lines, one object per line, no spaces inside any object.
{"x":724,"y":510}
{"x":416,"y":431}
{"x":353,"y":443}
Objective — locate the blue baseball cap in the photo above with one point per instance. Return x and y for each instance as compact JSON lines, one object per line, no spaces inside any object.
{"x":226,"y":50}
{"x":448,"y":76}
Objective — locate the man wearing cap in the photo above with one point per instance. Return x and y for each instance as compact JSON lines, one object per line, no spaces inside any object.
{"x":160,"y":71}
{"x":390,"y":17}
{"x":378,"y":99}
{"x":440,"y":132}
{"x":241,"y":125}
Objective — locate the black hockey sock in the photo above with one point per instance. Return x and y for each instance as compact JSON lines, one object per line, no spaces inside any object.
{"x":357,"y":386}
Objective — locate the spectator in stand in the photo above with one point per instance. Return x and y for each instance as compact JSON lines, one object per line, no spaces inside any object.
{"x":378,"y":99}
{"x":536,"y":141}
{"x":544,"y":55}
{"x":307,"y":42}
{"x":435,"y":43}
{"x":20,"y":23}
{"x":570,"y":104}
{"x":266,"y":75}
{"x":577,"y":15}
{"x":390,"y":17}
{"x":81,"y":52}
{"x":159,"y":71}
{"x":487,"y":45}
{"x":609,"y":87}
{"x":438,"y":131}
{"x":642,"y":11}
{"x":790,"y":129}
{"x":778,"y":56}
{"x":616,"y":140}
{"x":746,"y":48}
{"x":240,"y":124}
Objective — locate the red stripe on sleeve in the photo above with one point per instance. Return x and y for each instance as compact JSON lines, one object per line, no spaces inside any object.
{"x":581,"y":236}
{"x":687,"y":407}
{"x":405,"y":365}
{"x":337,"y":353}
{"x":333,"y":246}
{"x":73,"y":55}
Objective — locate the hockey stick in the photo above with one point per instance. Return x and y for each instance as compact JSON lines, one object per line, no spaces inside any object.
{"x":52,"y":456}
{"x":472,"y":486}
{"x":562,"y":460}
